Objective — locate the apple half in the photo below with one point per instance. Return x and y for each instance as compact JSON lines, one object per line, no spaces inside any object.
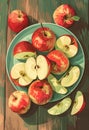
{"x":67,"y":44}
{"x":79,"y":103}
{"x":71,"y":76}
{"x":60,"y":107}
{"x":19,"y":76}
{"x":38,"y":67}
{"x":23,"y":50}
{"x":56,"y":85}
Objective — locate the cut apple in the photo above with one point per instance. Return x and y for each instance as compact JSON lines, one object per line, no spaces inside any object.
{"x":71,"y":76}
{"x":39,"y":67}
{"x":56,"y":86}
{"x":67,"y":44}
{"x":60,"y":107}
{"x":18,"y":73}
{"x":79,"y":103}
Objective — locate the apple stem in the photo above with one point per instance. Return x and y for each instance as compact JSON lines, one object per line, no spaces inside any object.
{"x":43,"y":29}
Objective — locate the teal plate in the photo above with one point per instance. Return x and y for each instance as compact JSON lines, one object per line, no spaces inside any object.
{"x":26,"y":34}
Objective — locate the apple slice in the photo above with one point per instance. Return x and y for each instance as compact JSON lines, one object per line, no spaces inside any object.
{"x":79,"y":103}
{"x":71,"y":76}
{"x":18,"y":73}
{"x":39,"y":67}
{"x":60,"y":107}
{"x":67,"y":44}
{"x":55,"y":84}
{"x":23,"y":50}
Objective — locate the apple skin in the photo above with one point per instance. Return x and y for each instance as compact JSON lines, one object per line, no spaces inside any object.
{"x":63,"y":15}
{"x":19,"y":102}
{"x":18,"y":20}
{"x":23,"y":46}
{"x":43,"y":39}
{"x":40,"y":92}
{"x":59,"y":60}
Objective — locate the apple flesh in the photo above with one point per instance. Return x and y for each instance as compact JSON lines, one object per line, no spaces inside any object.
{"x":17,"y":20}
{"x":64,"y":15}
{"x":39,"y":67}
{"x":56,"y":85}
{"x":40,"y":92}
{"x":18,"y":75}
{"x":67,"y":44}
{"x":60,"y":107}
{"x":43,"y":39}
{"x":23,"y":50}
{"x":59,"y":60}
{"x":19,"y":102}
{"x":79,"y":103}
{"x":71,"y":76}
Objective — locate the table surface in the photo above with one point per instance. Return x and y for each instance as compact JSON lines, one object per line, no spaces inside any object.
{"x":38,"y":118}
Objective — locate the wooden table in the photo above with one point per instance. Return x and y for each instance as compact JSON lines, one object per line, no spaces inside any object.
{"x":38,"y":118}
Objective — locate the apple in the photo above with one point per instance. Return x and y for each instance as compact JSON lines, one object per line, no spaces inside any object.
{"x":38,"y":67}
{"x":65,"y":15}
{"x":60,"y":107}
{"x":19,"y":76}
{"x":40,"y":92}
{"x":17,"y":20}
{"x":43,"y":39}
{"x":19,"y":102}
{"x":71,"y":76}
{"x":67,"y":44}
{"x":79,"y":103}
{"x":23,"y":49}
{"x":56,"y":85}
{"x":59,"y":60}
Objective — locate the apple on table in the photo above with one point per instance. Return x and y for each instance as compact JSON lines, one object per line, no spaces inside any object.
{"x":68,"y":44}
{"x":18,"y":20}
{"x":19,"y":102}
{"x":40,"y":92}
{"x":65,"y":15}
{"x":43,"y":39}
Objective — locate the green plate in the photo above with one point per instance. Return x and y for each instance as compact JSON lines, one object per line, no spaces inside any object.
{"x":26,"y":34}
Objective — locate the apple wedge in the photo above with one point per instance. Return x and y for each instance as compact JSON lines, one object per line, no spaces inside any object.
{"x":67,"y":44}
{"x":18,"y":74}
{"x":71,"y":76}
{"x":79,"y":103}
{"x":55,"y":84}
{"x":60,"y":107}
{"x":37,"y":67}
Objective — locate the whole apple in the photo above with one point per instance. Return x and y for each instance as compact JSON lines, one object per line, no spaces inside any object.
{"x":17,"y":20}
{"x":43,"y":39}
{"x":23,"y":50}
{"x":59,"y":60}
{"x":65,"y":15}
{"x":19,"y":102}
{"x":40,"y":92}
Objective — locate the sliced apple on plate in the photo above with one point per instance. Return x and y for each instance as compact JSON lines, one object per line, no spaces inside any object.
{"x":55,"y":84}
{"x":79,"y":103}
{"x":67,"y":44}
{"x":71,"y":76}
{"x":60,"y":107}
{"x":38,"y":67}
{"x":18,"y":74}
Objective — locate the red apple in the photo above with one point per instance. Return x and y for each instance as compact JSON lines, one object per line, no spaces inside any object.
{"x":43,"y":39}
{"x":23,"y":50}
{"x":19,"y":76}
{"x":59,"y":60}
{"x":68,"y":44}
{"x":65,"y":15}
{"x":19,"y":102}
{"x":17,"y":20}
{"x":38,"y":67}
{"x":40,"y":92}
